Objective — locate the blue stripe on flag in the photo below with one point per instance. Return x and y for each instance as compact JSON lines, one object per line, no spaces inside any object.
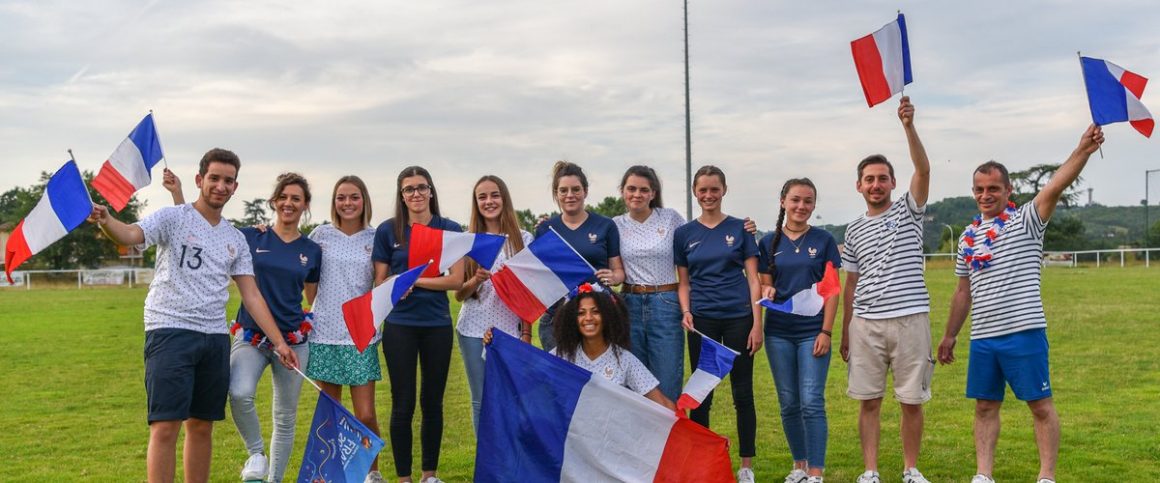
{"x":528,"y":399}
{"x":716,"y":359}
{"x":144,"y":136}
{"x":1106,"y":95}
{"x":906,"y":76}
{"x":404,"y":282}
{"x":485,"y":248}
{"x":561,"y":259}
{"x":69,"y":196}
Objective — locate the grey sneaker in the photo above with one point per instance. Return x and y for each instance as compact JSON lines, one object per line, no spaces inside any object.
{"x":814,"y":479}
{"x":796,"y":476}
{"x":869,"y":477}
{"x":1046,"y":480}
{"x":255,"y":468}
{"x":431,"y":479}
{"x":982,"y":479}
{"x":745,"y":475}
{"x":913,"y":476}
{"x":374,"y":477}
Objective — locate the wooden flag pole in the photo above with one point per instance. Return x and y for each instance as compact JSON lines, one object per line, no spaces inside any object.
{"x":1079,"y":57}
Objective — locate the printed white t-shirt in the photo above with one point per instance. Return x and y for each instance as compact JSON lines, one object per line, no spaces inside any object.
{"x":195,"y":262}
{"x":347,"y":272}
{"x":646,"y":249}
{"x":619,"y":367}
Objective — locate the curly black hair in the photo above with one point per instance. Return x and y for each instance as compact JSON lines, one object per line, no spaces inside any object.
{"x":614,"y":324}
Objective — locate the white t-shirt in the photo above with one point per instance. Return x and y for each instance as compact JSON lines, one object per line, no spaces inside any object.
{"x":195,"y":261}
{"x":347,"y":272}
{"x":1005,"y":296}
{"x":646,"y":249}
{"x":619,"y":367}
{"x":885,"y":251}
{"x":476,"y":315}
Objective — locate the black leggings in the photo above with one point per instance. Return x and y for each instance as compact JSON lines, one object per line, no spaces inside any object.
{"x":404,"y":348}
{"x":734,"y":334}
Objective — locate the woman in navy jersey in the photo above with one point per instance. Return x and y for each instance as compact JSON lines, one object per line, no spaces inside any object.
{"x":417,"y":334}
{"x":792,"y":258}
{"x":491,"y":212}
{"x":594,"y":237}
{"x":717,"y":265}
{"x":285,"y":264}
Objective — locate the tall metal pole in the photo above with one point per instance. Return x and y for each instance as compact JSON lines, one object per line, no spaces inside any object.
{"x":1147,"y":220}
{"x":688,"y":129}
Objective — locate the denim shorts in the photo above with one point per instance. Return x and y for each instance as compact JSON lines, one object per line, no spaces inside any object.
{"x":187,"y":374}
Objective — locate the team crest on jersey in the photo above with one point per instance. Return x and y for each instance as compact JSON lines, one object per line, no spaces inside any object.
{"x":304,"y":259}
{"x":368,"y":249}
{"x":891,"y":225}
{"x":608,"y":373}
{"x":661,"y":231}
{"x":191,"y":239}
{"x":729,"y":240}
{"x":230,"y":249}
{"x":592,"y":238}
{"x":813,"y":252}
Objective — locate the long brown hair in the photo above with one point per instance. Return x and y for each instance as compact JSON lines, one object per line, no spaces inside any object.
{"x":366,"y":197}
{"x":508,"y":223}
{"x":781,"y":219}
{"x":402,"y":215}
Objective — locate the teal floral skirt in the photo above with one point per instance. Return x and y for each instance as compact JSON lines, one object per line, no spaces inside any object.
{"x":343,"y":365}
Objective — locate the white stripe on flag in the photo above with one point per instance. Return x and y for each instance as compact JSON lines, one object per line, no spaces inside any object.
{"x":381,"y":301}
{"x":889,"y":41}
{"x":624,"y":444}
{"x":538,"y":278}
{"x":129,"y":162}
{"x":700,"y":384}
{"x":455,"y":246}
{"x":41,"y":226}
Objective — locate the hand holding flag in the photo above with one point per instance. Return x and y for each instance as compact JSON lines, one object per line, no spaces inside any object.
{"x":1114,"y":95}
{"x":714,"y":363}
{"x":365,"y":314}
{"x":539,"y":275}
{"x":883,"y":61}
{"x":129,"y":168}
{"x":811,"y":301}
{"x":443,"y":248}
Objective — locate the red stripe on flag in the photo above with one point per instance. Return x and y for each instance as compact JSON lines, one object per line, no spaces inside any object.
{"x":115,"y":188}
{"x":1144,"y":126}
{"x":426,"y":244}
{"x":829,"y":286}
{"x":694,"y":454}
{"x":868,"y":62}
{"x":516,"y":295}
{"x":1134,"y":83}
{"x":687,"y":402}
{"x":360,"y":320}
{"x":16,"y":252}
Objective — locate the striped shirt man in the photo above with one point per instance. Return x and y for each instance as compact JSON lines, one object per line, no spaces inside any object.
{"x":885,"y":251}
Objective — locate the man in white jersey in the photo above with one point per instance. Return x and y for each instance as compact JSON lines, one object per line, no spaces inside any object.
{"x":999,"y":286}
{"x":187,"y":363}
{"x":886,"y":308}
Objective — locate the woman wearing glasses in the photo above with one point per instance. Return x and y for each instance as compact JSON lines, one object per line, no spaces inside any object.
{"x":417,"y":334}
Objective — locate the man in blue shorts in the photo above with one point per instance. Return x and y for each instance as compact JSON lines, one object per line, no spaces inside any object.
{"x":187,"y":349}
{"x":999,"y":286}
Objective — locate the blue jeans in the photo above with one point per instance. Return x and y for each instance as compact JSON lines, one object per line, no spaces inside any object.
{"x":658,"y":339}
{"x":801,"y":391}
{"x":471,"y":348}
{"x":246,"y":366}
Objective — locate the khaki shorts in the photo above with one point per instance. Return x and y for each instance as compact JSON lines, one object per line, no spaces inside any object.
{"x":900,"y":345}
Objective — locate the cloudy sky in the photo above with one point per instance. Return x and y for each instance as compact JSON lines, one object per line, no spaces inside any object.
{"x":467,"y":88}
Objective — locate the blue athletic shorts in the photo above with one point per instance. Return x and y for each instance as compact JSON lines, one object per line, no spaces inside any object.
{"x":1018,"y":359}
{"x":187,"y":374}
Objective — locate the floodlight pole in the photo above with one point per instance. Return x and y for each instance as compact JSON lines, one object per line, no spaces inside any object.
{"x":688,"y":130}
{"x":1147,"y":220}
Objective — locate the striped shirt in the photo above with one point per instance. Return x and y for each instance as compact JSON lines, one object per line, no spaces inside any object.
{"x":1005,"y":296}
{"x":885,"y":251}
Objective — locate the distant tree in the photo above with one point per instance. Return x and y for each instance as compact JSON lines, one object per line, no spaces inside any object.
{"x":1154,"y":235}
{"x":253,"y":213}
{"x":610,"y":206}
{"x":1028,"y":182}
{"x":1065,"y":232}
{"x":527,"y":219}
{"x":306,"y":228}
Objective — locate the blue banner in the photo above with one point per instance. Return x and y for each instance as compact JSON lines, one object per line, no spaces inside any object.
{"x":340,"y":448}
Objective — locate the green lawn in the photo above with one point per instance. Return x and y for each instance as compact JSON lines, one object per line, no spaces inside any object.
{"x":73,"y":403}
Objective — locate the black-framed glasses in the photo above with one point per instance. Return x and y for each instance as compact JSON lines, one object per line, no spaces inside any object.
{"x":422,"y":189}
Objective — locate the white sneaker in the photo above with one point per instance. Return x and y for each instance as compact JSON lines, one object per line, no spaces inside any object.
{"x":913,"y":476}
{"x":796,"y":476}
{"x":869,"y":477}
{"x":431,"y":479}
{"x":255,"y":468}
{"x":982,"y":479}
{"x":814,"y":479}
{"x":1045,"y":480}
{"x":745,"y":475}
{"x":374,"y":477}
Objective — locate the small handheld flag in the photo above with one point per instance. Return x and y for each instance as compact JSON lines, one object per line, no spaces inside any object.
{"x":129,"y":168}
{"x":811,"y":301}
{"x":63,"y":207}
{"x":883,"y":61}
{"x":1114,"y":95}
{"x":536,"y":277}
{"x":365,"y":314}
{"x":714,"y":363}
{"x":445,"y":248}
{"x":339,"y":447}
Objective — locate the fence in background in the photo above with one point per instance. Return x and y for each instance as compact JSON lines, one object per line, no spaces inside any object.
{"x":1077,"y":258}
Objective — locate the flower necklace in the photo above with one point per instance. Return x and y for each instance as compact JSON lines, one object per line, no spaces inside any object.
{"x":257,"y":339}
{"x":977,"y":255}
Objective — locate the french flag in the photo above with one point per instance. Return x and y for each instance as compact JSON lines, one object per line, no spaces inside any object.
{"x":1114,"y":95}
{"x":715,"y":362}
{"x":883,"y":61}
{"x":64,"y":206}
{"x":536,"y":277}
{"x":445,"y":248}
{"x":129,"y":168}
{"x":811,"y":301}
{"x":545,"y":419}
{"x":365,"y":314}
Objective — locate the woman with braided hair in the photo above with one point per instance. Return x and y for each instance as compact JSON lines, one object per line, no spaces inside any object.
{"x":792,"y":258}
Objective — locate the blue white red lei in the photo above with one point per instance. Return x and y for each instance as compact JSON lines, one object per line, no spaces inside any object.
{"x":257,"y":339}
{"x":975,"y":249}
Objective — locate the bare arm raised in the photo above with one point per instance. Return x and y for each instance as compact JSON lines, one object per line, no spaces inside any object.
{"x":1067,"y":173}
{"x":920,"y":182}
{"x":121,"y":233}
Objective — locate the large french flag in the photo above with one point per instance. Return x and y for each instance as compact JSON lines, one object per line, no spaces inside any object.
{"x":445,"y":248}
{"x":883,"y":61}
{"x":365,"y":314}
{"x":811,"y":301}
{"x":64,"y":206}
{"x":539,"y":275}
{"x":545,"y":419}
{"x":130,"y":166}
{"x":1114,"y":95}
{"x":714,"y":364}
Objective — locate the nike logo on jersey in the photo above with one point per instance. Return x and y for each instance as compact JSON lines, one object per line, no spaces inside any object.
{"x":261,"y":251}
{"x":691,"y":245}
{"x":776,"y":254}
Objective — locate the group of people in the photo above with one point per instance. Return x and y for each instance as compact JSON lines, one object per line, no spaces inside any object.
{"x":674,"y":276}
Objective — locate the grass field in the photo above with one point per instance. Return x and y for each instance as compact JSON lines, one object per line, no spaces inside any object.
{"x":73,"y":401}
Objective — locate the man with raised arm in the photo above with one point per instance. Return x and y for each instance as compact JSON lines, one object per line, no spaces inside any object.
{"x":999,"y":265}
{"x":187,"y":349}
{"x":886,"y":308}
